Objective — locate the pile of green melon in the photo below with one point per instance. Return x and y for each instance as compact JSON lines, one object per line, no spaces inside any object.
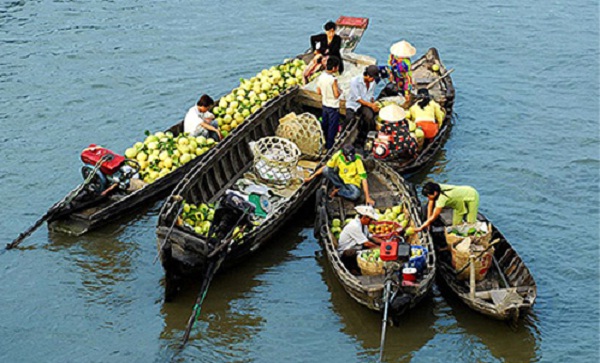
{"x":233,"y":109}
{"x":161,"y":153}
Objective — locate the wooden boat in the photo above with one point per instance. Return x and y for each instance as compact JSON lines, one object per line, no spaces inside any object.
{"x":508,"y":290}
{"x":442,"y":91}
{"x":89,"y":211}
{"x":184,"y":252}
{"x":388,"y":189}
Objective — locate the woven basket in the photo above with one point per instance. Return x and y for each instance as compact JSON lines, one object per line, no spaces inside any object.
{"x":368,"y":268}
{"x":305,"y":131}
{"x":275,"y":160}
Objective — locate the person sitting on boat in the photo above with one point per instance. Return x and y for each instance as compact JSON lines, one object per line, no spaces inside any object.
{"x":323,"y":46}
{"x":401,"y":81}
{"x":464,"y":200}
{"x":199,"y":121}
{"x":355,"y":236}
{"x":427,"y":114}
{"x":345,"y":170}
{"x":394,"y":140}
{"x":361,"y":102}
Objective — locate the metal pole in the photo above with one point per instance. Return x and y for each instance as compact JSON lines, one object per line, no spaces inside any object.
{"x":386,"y":294}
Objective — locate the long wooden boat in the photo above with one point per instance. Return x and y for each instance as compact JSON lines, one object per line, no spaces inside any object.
{"x":442,"y":91}
{"x":90,"y":211}
{"x":388,"y":189}
{"x":507,"y":291}
{"x":184,"y":252}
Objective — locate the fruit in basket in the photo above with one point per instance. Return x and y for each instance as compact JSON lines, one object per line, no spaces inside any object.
{"x":435,"y":67}
{"x":397,"y":209}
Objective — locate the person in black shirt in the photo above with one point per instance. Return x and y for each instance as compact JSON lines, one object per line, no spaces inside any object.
{"x":324,"y":45}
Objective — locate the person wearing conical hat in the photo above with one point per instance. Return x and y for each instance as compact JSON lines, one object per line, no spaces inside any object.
{"x":401,"y":80}
{"x":395,"y":130}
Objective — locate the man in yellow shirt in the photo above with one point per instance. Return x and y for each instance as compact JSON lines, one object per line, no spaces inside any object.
{"x":463,"y":199}
{"x":345,"y":170}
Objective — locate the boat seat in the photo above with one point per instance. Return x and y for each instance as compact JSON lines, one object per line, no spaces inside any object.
{"x":371,"y":281}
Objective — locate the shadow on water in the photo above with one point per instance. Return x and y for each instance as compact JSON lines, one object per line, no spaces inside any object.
{"x":415,"y":330}
{"x":229,"y":318}
{"x":508,"y":342}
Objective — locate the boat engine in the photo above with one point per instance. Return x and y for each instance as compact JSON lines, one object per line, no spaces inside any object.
{"x":396,"y":252}
{"x":233,"y":210}
{"x":114,"y":169}
{"x":381,"y":146}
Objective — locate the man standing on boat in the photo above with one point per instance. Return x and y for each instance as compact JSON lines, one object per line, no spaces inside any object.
{"x":361,"y":102}
{"x":199,"y":121}
{"x":463,"y":199}
{"x":328,"y":89}
{"x":355,"y":236}
{"x":345,"y":170}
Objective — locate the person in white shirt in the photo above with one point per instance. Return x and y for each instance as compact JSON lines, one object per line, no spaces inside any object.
{"x":328,"y":89}
{"x":355,"y":236}
{"x":199,"y":121}
{"x":361,"y":102}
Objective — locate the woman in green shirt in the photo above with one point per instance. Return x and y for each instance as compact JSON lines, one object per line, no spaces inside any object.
{"x":464,"y":200}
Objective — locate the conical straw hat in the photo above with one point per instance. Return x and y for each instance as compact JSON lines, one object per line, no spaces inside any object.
{"x":403,"y":49}
{"x":392,"y":113}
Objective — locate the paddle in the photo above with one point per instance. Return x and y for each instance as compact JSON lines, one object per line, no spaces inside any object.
{"x":430,"y":85}
{"x":57,"y":206}
{"x":211,"y":269}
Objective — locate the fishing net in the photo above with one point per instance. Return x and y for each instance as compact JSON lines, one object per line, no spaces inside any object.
{"x":305,"y":131}
{"x":275,"y":160}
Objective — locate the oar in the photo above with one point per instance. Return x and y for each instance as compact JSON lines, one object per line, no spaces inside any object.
{"x":386,"y":295}
{"x":211,"y":269}
{"x":439,"y":79}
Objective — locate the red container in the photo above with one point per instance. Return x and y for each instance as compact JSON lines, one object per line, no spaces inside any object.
{"x":389,"y":251}
{"x":352,"y":21}
{"x":93,"y":153}
{"x":409,"y":274}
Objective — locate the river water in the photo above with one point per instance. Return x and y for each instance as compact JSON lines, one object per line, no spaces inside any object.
{"x":526,"y":136}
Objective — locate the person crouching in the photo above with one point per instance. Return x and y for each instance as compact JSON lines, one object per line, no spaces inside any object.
{"x":345,"y":170}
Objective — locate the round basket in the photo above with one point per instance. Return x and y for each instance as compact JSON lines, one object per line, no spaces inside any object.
{"x":369,"y":268}
{"x":305,"y":131}
{"x":275,"y":160}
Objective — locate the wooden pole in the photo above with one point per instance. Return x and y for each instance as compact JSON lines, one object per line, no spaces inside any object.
{"x":472,"y":277}
{"x":439,"y":79}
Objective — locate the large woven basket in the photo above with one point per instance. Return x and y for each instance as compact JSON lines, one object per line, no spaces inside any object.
{"x":368,"y":268}
{"x":305,"y":131}
{"x":275,"y":160}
